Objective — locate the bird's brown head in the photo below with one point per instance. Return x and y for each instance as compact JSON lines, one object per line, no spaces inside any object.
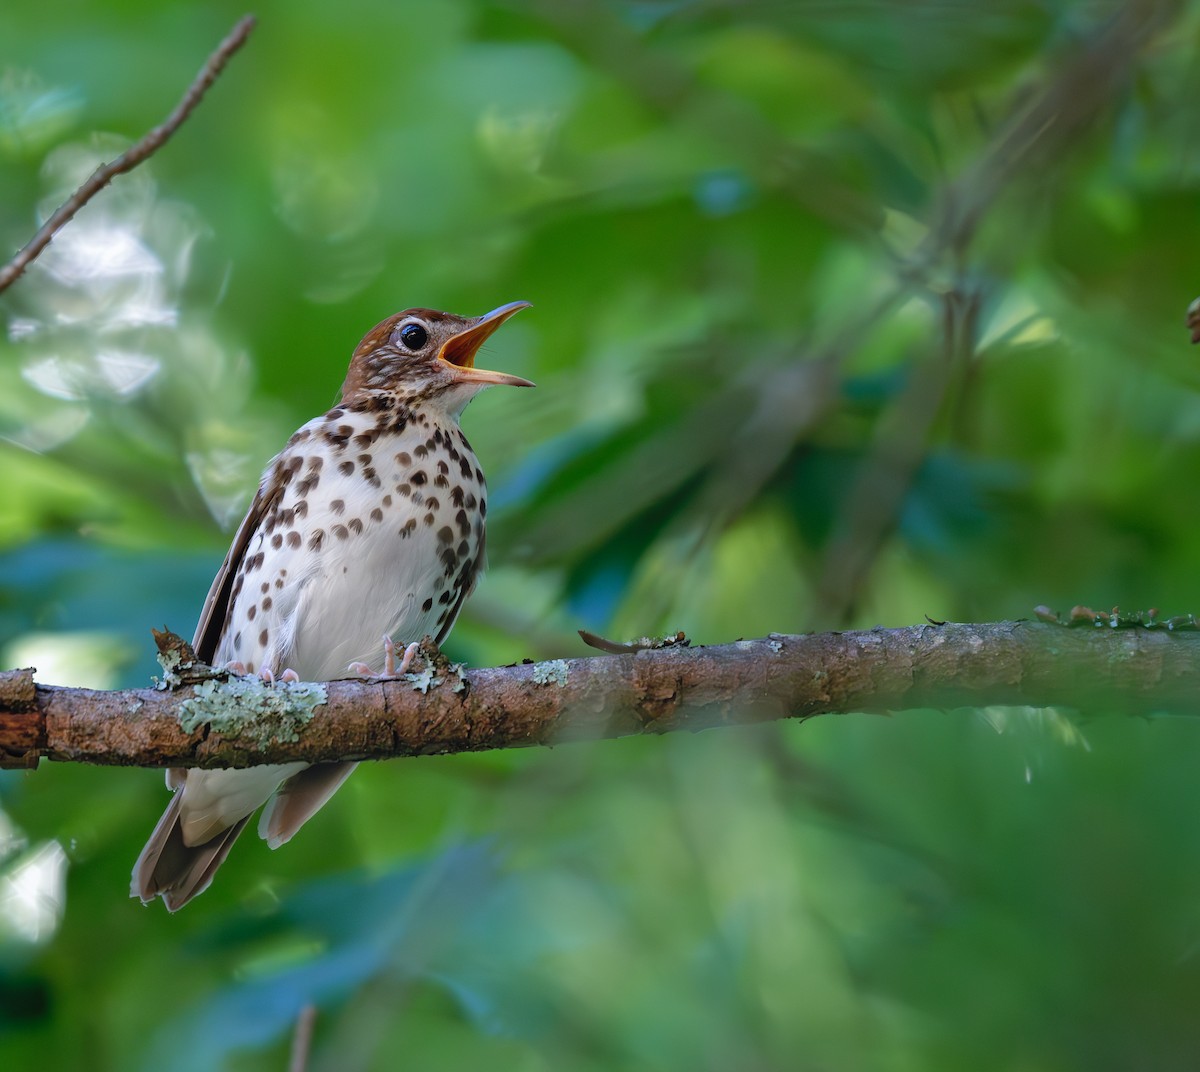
{"x":425,"y":355}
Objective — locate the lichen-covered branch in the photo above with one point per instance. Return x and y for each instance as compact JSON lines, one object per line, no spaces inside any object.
{"x":219,"y":722}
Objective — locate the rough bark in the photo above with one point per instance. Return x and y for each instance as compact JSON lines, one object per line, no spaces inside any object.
{"x":1132,"y":671}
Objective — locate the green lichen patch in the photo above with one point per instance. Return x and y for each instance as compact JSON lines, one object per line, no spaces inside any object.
{"x":171,"y":663}
{"x":425,"y":679}
{"x":240,"y":704}
{"x":552,"y":673}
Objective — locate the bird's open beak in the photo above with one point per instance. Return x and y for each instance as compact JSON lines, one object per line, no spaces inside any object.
{"x":460,"y":350}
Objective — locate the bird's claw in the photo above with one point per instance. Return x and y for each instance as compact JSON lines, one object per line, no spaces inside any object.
{"x":390,"y":669}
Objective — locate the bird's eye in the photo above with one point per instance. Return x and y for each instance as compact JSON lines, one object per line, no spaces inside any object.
{"x":414,"y":336}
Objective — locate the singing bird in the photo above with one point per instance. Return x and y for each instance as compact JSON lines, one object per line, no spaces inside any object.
{"x":369,"y":524}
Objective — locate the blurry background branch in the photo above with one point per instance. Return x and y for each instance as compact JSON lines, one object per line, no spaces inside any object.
{"x":149,"y":144}
{"x":654,"y":690}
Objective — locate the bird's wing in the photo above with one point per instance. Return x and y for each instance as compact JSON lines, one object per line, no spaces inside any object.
{"x":216,"y":606}
{"x":465,"y":591}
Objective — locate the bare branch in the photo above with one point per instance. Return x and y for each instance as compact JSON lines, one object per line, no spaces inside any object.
{"x":302,"y":1039}
{"x":127,"y":161}
{"x":1129,"y":670}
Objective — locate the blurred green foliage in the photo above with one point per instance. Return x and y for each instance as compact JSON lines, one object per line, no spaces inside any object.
{"x":844,"y":315}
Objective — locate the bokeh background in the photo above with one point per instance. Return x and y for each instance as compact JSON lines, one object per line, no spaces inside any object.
{"x":844,"y":315}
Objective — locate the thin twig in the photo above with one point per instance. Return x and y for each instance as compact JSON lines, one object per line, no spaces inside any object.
{"x":127,"y":161}
{"x":302,"y":1039}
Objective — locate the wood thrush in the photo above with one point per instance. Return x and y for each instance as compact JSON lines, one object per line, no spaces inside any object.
{"x":368,"y":524}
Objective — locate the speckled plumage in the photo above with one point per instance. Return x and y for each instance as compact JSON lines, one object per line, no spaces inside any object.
{"x":369,"y":522}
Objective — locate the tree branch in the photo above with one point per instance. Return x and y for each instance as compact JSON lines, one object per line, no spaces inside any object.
{"x":127,"y":161}
{"x":1129,"y":670}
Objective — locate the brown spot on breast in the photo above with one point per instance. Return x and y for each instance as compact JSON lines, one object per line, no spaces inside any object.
{"x":463,"y":522}
{"x":355,"y":526}
{"x":410,"y":526}
{"x":471,"y":501}
{"x":299,"y":436}
{"x":418,"y":477}
{"x":465,"y":466}
{"x":301,"y":508}
{"x":341,"y":532}
{"x":456,"y":496}
{"x":237,"y":641}
{"x":443,"y":467}
{"x":432,"y":503}
{"x":364,"y":459}
{"x":404,"y":458}
{"x":346,"y":468}
{"x":427,"y":606}
{"x":365,"y":439}
{"x":337,"y":506}
{"x":307,"y":484}
{"x":420,"y":451}
{"x":251,"y":612}
{"x":428,"y":519}
{"x":279,"y":580}
{"x":482,"y":506}
{"x":404,"y":489}
{"x":266,"y":604}
{"x":314,"y":543}
{"x":263,"y":637}
{"x":293,"y":539}
{"x":315,"y":463}
{"x":284,"y":471}
{"x":464,"y":548}
{"x":446,"y":596}
{"x":265,"y":587}
{"x":377,"y":514}
{"x":277,"y":541}
{"x":445,"y":534}
{"x":387,"y":500}
{"x":441,"y":481}
{"x":288,"y":518}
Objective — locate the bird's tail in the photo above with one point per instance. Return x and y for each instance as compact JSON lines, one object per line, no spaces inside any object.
{"x":177,"y":872}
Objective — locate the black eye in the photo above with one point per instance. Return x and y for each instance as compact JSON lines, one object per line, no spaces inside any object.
{"x":414,"y":336}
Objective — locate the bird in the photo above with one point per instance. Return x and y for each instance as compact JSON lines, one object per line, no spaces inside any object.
{"x":368,"y":526}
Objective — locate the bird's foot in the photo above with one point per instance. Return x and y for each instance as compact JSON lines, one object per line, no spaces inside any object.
{"x":266,"y":674}
{"x":390,"y":669}
{"x":288,"y":677}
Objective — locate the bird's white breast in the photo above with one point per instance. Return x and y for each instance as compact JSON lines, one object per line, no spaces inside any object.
{"x":376,"y":530}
